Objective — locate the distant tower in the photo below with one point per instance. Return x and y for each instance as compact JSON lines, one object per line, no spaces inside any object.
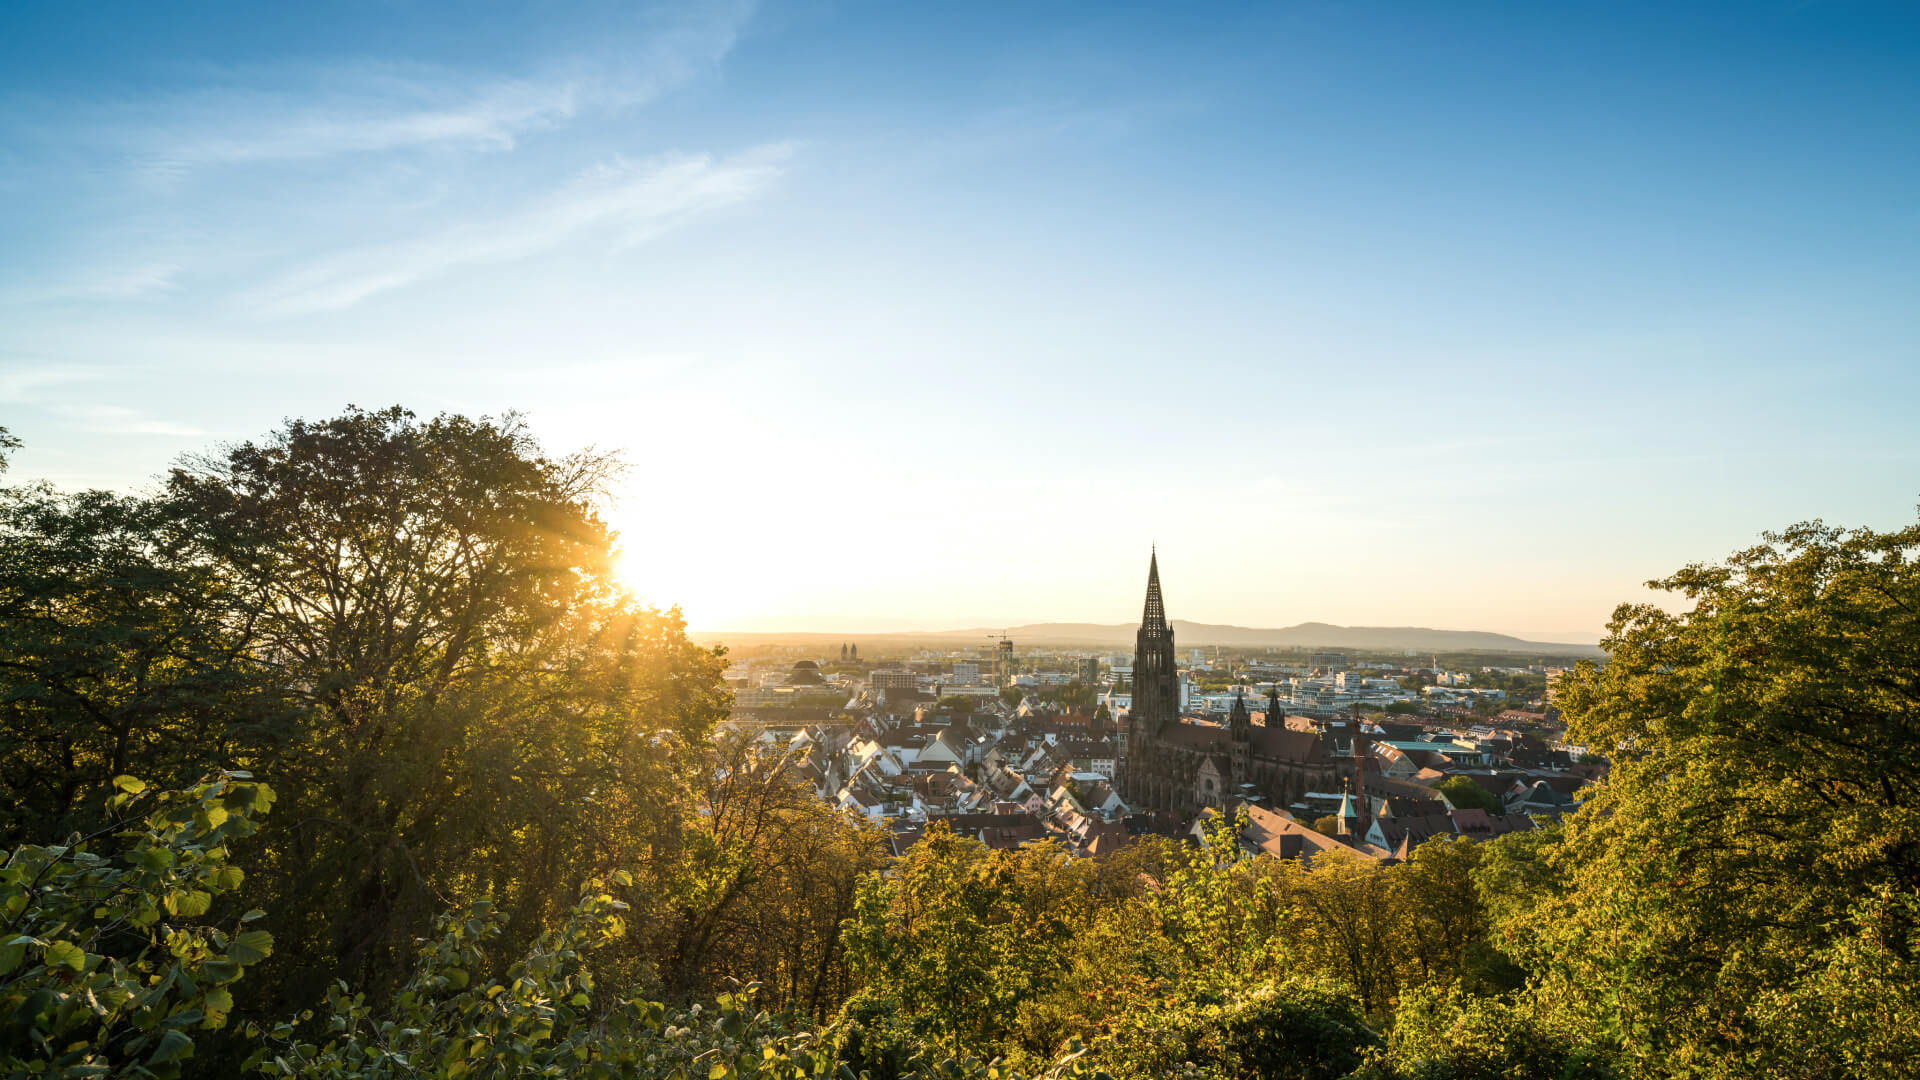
{"x":1156,"y":703}
{"x":1003,"y":662}
{"x":853,"y":651}
{"x":1276,"y":715}
{"x":1349,"y":818}
{"x":843,"y":652}
{"x":1156,"y":678}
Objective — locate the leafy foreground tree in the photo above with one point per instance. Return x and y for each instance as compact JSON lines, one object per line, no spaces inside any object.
{"x":757,"y":888}
{"x":1203,"y":961}
{"x":408,"y":627}
{"x":481,"y":710}
{"x":1297,"y":1028}
{"x":958,"y":936}
{"x":1742,"y":897}
{"x":122,"y":651}
{"x":549,"y":1016}
{"x":113,"y":962}
{"x":1442,"y":1033}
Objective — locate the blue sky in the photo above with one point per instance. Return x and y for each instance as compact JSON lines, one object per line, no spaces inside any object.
{"x":911,"y":315}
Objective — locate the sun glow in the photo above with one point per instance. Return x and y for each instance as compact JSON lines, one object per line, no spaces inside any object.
{"x":700,"y":575}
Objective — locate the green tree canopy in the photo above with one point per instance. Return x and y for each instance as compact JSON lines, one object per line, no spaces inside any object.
{"x":1465,"y":794}
{"x":482,"y":710}
{"x":125,"y":652}
{"x":1752,"y":863}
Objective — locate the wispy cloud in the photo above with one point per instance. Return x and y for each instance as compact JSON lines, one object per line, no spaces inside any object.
{"x":109,"y":281}
{"x":28,"y":384}
{"x":314,"y":110}
{"x":243,"y":127}
{"x":120,"y":420}
{"x":163,"y":190}
{"x":630,"y":200}
{"x":53,"y":388}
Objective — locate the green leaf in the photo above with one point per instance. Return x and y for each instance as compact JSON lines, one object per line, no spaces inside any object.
{"x":218,"y":1004}
{"x":174,"y":1045}
{"x":226,"y":879}
{"x":220,"y":971}
{"x":250,"y":947}
{"x":129,"y":784}
{"x":65,"y":954}
{"x":188,"y":904}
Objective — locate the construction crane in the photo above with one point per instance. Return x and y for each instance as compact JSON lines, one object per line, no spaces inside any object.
{"x":1002,"y":658}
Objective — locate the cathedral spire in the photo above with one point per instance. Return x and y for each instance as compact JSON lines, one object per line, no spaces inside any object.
{"x":1156,"y":613}
{"x":1156,"y":678}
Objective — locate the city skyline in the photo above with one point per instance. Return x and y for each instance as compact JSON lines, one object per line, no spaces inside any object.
{"x":918,"y":319}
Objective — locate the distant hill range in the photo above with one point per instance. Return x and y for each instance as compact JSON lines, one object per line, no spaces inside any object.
{"x":1312,"y":635}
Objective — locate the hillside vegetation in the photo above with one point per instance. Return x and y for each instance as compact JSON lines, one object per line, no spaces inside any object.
{"x":342,"y":755}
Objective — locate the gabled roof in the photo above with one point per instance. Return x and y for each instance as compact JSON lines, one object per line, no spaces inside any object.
{"x":1002,"y":831}
{"x":1285,"y":838}
{"x":1481,"y":825}
{"x":1415,"y":830}
{"x":1103,"y":837}
{"x":1401,"y":806}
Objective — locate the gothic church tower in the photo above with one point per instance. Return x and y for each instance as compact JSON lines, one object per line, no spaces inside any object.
{"x":1156,"y":699}
{"x":1156,"y":680}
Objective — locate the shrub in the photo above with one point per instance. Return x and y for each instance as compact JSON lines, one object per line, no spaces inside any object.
{"x":1298,"y":1030}
{"x":109,"y":962}
{"x":1443,"y":1034}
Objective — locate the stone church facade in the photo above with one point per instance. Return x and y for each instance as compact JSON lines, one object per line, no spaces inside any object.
{"x":1167,"y":763}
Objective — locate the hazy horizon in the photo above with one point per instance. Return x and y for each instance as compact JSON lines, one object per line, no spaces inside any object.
{"x":1370,"y":314}
{"x":883,"y":627}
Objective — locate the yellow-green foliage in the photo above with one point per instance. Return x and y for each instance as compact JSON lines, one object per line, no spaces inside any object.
{"x":411,"y":631}
{"x":117,"y":948}
{"x":1732,"y":901}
